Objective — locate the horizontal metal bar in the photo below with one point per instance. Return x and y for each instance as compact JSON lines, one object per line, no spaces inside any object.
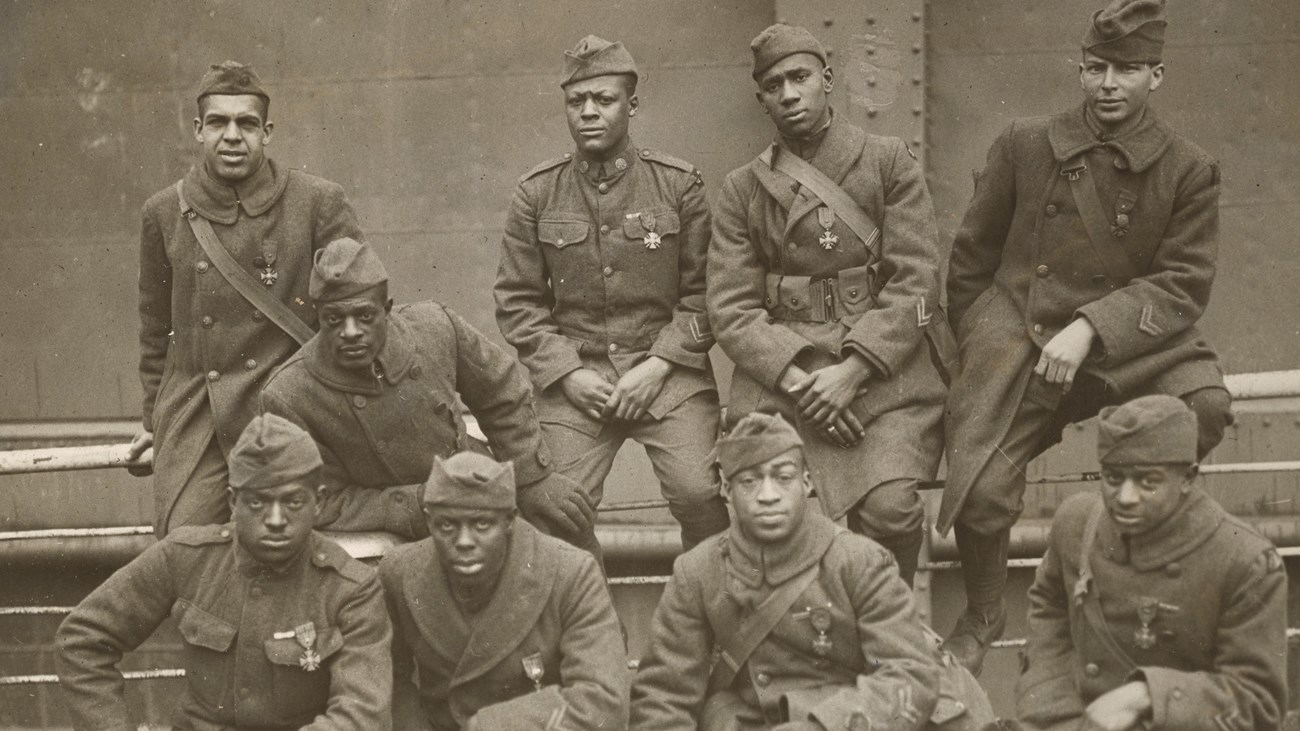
{"x":1029,"y":563}
{"x":129,"y":675}
{"x":20,"y":535}
{"x":32,"y":611}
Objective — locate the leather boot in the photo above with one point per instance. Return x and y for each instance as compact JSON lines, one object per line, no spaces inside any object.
{"x":984,"y":572}
{"x":906,"y":549}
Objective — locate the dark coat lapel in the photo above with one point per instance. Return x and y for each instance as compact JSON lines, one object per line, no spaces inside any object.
{"x":433,"y":610}
{"x":836,"y":156}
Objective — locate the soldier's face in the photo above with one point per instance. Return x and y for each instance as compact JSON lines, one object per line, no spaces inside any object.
{"x":598,"y":111}
{"x":471,"y":543}
{"x":273,"y":524}
{"x":1141,"y":497}
{"x":234,"y":132}
{"x":771,"y":499}
{"x":355,"y":329}
{"x":1117,"y":92}
{"x":795,"y":94}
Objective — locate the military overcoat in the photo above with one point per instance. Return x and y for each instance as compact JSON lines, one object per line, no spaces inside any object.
{"x":1211,"y":594}
{"x":550,"y":604}
{"x":601,"y":273}
{"x":384,"y":431}
{"x":241,"y":624}
{"x":1023,"y":268}
{"x":882,"y":670}
{"x":766,"y":229}
{"x":204,"y":349}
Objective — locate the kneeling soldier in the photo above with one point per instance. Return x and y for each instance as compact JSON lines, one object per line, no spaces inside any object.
{"x":1153,"y":607}
{"x":502,"y":627}
{"x":816,"y":630}
{"x":281,"y":628}
{"x":378,"y":389}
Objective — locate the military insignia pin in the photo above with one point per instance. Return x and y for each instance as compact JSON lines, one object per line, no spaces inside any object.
{"x":266,"y":265}
{"x":652,"y":238}
{"x":1123,"y":206}
{"x":306,"y":637}
{"x":1148,"y":610}
{"x":820,"y":618}
{"x":826,"y":219}
{"x":534,"y":669}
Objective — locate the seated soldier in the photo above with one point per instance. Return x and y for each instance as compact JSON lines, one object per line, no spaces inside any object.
{"x":1153,"y":607}
{"x":498,"y":626}
{"x":815,"y":626}
{"x":281,"y":628}
{"x":377,"y":389}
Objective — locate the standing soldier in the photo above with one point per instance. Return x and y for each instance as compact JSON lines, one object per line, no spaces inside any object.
{"x":378,"y":389}
{"x":224,"y":261}
{"x":497,"y":626}
{"x":824,"y":313}
{"x":280,"y":627}
{"x":1153,"y":608}
{"x":601,"y":290}
{"x":1077,"y":277}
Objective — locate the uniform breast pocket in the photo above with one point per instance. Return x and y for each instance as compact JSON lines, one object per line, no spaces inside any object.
{"x":301,"y":680}
{"x":562,"y":234}
{"x":208,"y":640}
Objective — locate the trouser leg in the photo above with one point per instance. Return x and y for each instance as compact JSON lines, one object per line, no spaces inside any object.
{"x":893,"y":515}
{"x":680,"y":447}
{"x":1213,"y":407}
{"x":587,"y":460}
{"x":202,"y":497}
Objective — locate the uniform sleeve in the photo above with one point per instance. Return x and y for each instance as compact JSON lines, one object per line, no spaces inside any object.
{"x":361,"y":675}
{"x":495,"y":388}
{"x":686,"y":340}
{"x":524,"y":299}
{"x":155,"y":306}
{"x":909,"y":272}
{"x":335,"y":218}
{"x":1247,"y":688}
{"x":408,"y":714}
{"x":1046,"y":696}
{"x":593,"y":690}
{"x":1146,"y":313}
{"x":668,"y":692}
{"x":115,"y":619}
{"x":737,"y":274}
{"x":977,"y":245}
{"x":904,"y":684}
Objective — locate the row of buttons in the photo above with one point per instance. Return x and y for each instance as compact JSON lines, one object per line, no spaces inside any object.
{"x":215,"y":375}
{"x":208,"y":321}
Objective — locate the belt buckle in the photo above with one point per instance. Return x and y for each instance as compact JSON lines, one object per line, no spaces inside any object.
{"x":830,"y":285}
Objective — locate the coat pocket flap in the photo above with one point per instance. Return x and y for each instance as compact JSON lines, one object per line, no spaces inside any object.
{"x":855,"y":284}
{"x":561,"y":233}
{"x":204,"y":629}
{"x":287,"y":651}
{"x":636,"y":226}
{"x":794,"y":293}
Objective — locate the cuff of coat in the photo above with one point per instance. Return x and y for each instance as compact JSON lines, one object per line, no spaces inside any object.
{"x":780,"y":355}
{"x":555,"y":369}
{"x":146,"y":421}
{"x":540,"y":710}
{"x":1172,"y":702}
{"x":1125,"y":327}
{"x":532,"y":466}
{"x":887,"y":354}
{"x":878,"y":365}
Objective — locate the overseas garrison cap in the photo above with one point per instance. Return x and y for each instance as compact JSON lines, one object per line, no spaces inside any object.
{"x":594,"y":57}
{"x":1128,"y":31}
{"x":471,"y":480}
{"x":1148,"y":430}
{"x":344,"y":268}
{"x":780,"y":40}
{"x":231,"y":77}
{"x":755,"y":439}
{"x":272,"y":451}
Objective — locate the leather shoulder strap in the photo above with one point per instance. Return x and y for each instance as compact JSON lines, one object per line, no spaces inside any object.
{"x":1114,"y":259}
{"x":829,"y":192}
{"x":1089,"y":594}
{"x":239,"y":278}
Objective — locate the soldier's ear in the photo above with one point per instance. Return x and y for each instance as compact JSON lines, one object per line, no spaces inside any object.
{"x":807,"y":483}
{"x":1157,"y":75}
{"x":231,"y":496}
{"x":266,"y":132}
{"x":828,"y":79}
{"x":198,"y":129}
{"x":388,"y":305}
{"x":633,"y":104}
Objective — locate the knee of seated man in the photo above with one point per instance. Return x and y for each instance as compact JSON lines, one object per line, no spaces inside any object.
{"x":1213,"y":407}
{"x":892,"y":508}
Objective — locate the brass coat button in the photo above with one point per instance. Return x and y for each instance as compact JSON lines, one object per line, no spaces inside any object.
{"x":206,"y":321}
{"x":763,"y":679}
{"x":213,"y":375}
{"x":201,"y":267}
{"x":603,"y":187}
{"x":359,"y":401}
{"x":608,"y":271}
{"x":1173,"y":569}
{"x":257,"y":315}
{"x":1051,"y":210}
{"x":1042,"y":271}
{"x":250,"y":364}
{"x":613,"y":347}
{"x":604,"y":229}
{"x":1091,"y":670}
{"x":1038,"y":329}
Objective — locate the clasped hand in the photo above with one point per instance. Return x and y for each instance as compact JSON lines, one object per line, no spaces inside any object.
{"x":823,"y":397}
{"x":628,"y":399}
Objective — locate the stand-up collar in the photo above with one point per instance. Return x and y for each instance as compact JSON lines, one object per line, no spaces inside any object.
{"x":219,"y":202}
{"x":1071,"y":134}
{"x":250,"y":567}
{"x":1181,"y":533}
{"x":756,"y":563}
{"x":807,"y":147}
{"x":591,"y":169}
{"x":394,"y":361}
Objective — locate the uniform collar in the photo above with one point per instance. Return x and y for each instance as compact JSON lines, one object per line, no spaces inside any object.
{"x":252,"y":568}
{"x":1072,"y":134}
{"x":808,"y":147}
{"x":1181,"y":533}
{"x":589,"y":168}
{"x":756,"y":563}
{"x":394,"y":361}
{"x":219,"y":202}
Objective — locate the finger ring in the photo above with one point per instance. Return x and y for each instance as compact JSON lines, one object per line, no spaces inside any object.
{"x":831,"y":429}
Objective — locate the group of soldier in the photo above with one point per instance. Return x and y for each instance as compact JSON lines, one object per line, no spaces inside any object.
{"x":285,"y":392}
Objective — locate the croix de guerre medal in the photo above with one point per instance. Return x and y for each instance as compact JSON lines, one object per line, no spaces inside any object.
{"x":306,"y":637}
{"x":652,"y":239}
{"x":266,"y":264}
{"x":534,"y":669}
{"x":1148,"y":610}
{"x":820,"y":618}
{"x":826,"y":219}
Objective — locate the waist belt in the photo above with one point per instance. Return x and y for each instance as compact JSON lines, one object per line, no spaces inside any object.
{"x":821,"y":299}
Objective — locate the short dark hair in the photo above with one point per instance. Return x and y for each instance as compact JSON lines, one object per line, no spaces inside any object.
{"x":265,"y":106}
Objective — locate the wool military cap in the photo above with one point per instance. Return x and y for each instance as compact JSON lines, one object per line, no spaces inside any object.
{"x":231,"y":77}
{"x":344,"y":268}
{"x":471,"y":480}
{"x":780,"y":40}
{"x":1128,"y":31}
{"x":594,"y":57}
{"x":755,"y":439}
{"x":272,"y":451}
{"x":1148,"y":430}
